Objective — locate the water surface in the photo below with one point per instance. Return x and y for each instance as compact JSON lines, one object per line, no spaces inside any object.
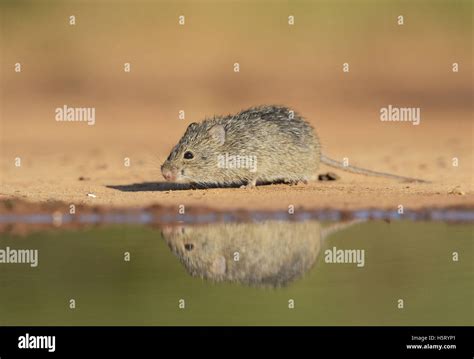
{"x":268,"y":272}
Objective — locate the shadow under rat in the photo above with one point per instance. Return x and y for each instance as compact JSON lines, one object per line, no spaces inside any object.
{"x":173,"y":186}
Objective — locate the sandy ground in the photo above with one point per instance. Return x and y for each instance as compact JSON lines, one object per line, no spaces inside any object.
{"x":67,"y":162}
{"x":191,"y":67}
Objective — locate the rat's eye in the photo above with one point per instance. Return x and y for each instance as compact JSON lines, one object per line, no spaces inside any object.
{"x":188,"y":155}
{"x":189,"y":246}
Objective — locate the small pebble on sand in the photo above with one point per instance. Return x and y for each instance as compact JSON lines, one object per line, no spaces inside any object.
{"x":457,"y":190}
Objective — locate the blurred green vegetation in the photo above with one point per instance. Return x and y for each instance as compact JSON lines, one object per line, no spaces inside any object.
{"x":407,"y":260}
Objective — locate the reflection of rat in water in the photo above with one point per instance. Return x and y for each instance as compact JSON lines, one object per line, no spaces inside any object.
{"x":260,"y":145}
{"x":266,"y":254}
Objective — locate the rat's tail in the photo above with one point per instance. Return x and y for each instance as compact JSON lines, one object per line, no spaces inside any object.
{"x":333,"y":163}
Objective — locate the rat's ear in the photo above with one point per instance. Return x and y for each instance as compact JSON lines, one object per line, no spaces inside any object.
{"x":218,"y":133}
{"x":192,"y":126}
{"x":218,"y":266}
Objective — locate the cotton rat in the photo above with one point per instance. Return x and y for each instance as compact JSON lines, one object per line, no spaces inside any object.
{"x":265,"y":144}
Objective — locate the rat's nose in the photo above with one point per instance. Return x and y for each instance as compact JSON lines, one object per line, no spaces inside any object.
{"x":168,"y":174}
